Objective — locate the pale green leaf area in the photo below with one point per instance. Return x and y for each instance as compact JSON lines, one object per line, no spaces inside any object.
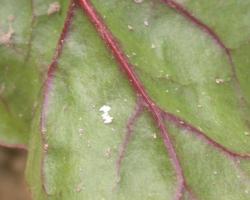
{"x":19,"y":76}
{"x":178,"y":64}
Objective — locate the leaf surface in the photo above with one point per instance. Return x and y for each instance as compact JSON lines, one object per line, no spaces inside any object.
{"x":192,"y":60}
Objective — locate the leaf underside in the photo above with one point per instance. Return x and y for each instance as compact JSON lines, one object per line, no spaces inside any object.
{"x":191,"y":58}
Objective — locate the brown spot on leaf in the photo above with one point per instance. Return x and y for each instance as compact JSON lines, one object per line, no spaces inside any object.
{"x":6,"y":38}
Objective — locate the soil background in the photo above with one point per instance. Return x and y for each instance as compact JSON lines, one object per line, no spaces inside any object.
{"x":12,"y":182}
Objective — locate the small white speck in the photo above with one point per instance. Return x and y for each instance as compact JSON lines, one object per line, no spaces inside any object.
{"x":80,"y":118}
{"x":166,"y":91}
{"x":153,"y":46}
{"x":44,"y":130}
{"x":246,"y":133}
{"x":182,"y":122}
{"x":130,"y":27}
{"x":81,"y":131}
{"x":199,"y":106}
{"x":138,"y":1}
{"x":105,"y":108}
{"x":107,"y":119}
{"x":154,"y":136}
{"x":108,"y":152}
{"x":88,"y":143}
{"x":134,"y":54}
{"x":246,"y":191}
{"x":46,"y":146}
{"x":215,"y":172}
{"x":178,"y":111}
{"x":79,"y":187}
{"x":53,"y":8}
{"x":219,"y":81}
{"x":146,"y":22}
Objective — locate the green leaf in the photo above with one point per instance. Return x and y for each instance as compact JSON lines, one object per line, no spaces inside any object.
{"x":185,"y":67}
{"x":20,"y":76}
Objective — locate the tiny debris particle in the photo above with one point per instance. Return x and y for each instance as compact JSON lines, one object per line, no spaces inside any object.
{"x":130,"y":28}
{"x":246,"y":133}
{"x":146,"y":22}
{"x":2,"y":88}
{"x":53,"y":8}
{"x":11,"y":18}
{"x":81,"y":131}
{"x":108,"y":152}
{"x":154,"y":136}
{"x":219,"y":81}
{"x":215,"y":172}
{"x":44,"y":130}
{"x":88,"y":143}
{"x":107,"y":119}
{"x":79,"y":187}
{"x":105,"y":108}
{"x":153,"y":46}
{"x":5,"y":38}
{"x":246,"y":191}
{"x":199,"y":106}
{"x":178,"y":111}
{"x":138,"y":1}
{"x":182,"y":122}
{"x":46,"y":146}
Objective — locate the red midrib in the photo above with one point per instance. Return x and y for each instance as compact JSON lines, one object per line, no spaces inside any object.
{"x":158,"y":114}
{"x":126,"y":66}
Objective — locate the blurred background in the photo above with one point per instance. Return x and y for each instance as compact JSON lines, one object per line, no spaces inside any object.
{"x":12,"y":182}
